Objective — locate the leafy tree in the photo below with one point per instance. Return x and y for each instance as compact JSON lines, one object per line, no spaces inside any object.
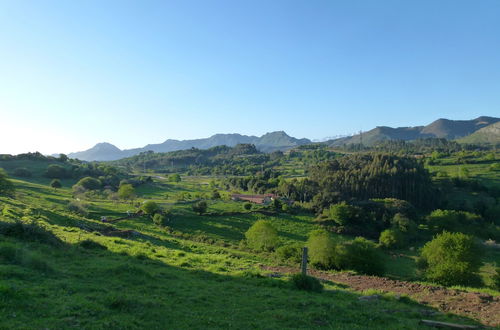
{"x":22,"y":172}
{"x":262,"y":236}
{"x":277,"y":204}
{"x":6,"y":186}
{"x":55,"y":183}
{"x":360,"y":255}
{"x":63,"y":158}
{"x":215,"y":194}
{"x":451,"y":259}
{"x":321,"y":249}
{"x":150,"y":207}
{"x":200,"y":207}
{"x":290,"y":252}
{"x":247,"y":206}
{"x":391,"y":238}
{"x":56,"y":172}
{"x":343,"y":213}
{"x":174,"y":177}
{"x":403,"y":224}
{"x":452,"y":220}
{"x":89,"y":183}
{"x":126,"y":191}
{"x":159,"y":219}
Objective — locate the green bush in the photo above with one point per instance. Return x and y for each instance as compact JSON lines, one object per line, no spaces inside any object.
{"x":200,"y":207}
{"x":391,"y":238}
{"x":89,"y":183}
{"x":451,"y":259}
{"x":321,"y":249}
{"x":452,"y":220}
{"x":290,"y":252}
{"x":78,"y":208}
{"x":150,"y":207}
{"x":22,"y":172}
{"x":6,"y":186}
{"x":174,"y":177}
{"x":56,"y":172}
{"x":307,"y":283}
{"x":496,"y":279}
{"x":343,"y":213}
{"x":159,"y":220}
{"x":247,"y":206}
{"x":360,"y":255}
{"x":55,"y":183}
{"x":403,"y":224}
{"x":262,"y":236}
{"x":126,"y":191}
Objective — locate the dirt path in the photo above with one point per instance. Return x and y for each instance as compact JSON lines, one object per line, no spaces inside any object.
{"x":479,"y":306}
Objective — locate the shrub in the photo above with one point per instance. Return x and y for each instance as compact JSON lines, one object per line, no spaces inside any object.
{"x":56,"y":172}
{"x":308,"y":283}
{"x":451,"y":220}
{"x":290,"y":252}
{"x":174,"y":177}
{"x":342,"y":213}
{"x":6,"y":186}
{"x":451,"y":259}
{"x":360,"y":255}
{"x":247,"y":206}
{"x":496,"y":279}
{"x":55,"y":183}
{"x":321,"y":249}
{"x":126,"y":191}
{"x":78,"y":208}
{"x":22,"y":172}
{"x":159,"y":219}
{"x":262,"y":236}
{"x":215,"y":194}
{"x":200,"y":207}
{"x":150,"y":207}
{"x":277,"y":204}
{"x":403,"y":224}
{"x":89,"y":183}
{"x":391,"y":238}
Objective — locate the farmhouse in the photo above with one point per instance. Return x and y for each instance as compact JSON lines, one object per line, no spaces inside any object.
{"x":257,"y":199}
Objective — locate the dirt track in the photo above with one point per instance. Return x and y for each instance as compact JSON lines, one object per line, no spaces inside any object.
{"x":479,"y":306}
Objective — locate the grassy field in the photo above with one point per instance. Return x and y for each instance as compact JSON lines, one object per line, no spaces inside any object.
{"x":190,"y":274}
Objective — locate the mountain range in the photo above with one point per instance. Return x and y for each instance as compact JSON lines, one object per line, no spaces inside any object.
{"x":267,"y":143}
{"x":480,"y":130}
{"x":441,"y":128}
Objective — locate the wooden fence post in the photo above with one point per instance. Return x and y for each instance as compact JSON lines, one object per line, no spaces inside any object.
{"x":304,"y":261}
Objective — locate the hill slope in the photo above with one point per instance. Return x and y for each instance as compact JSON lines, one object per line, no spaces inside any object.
{"x":441,"y":128}
{"x":488,"y":134}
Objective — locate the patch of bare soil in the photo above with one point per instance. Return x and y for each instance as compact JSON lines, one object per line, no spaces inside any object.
{"x":479,"y":306}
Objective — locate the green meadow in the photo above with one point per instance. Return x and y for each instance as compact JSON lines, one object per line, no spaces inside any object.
{"x":190,"y":274}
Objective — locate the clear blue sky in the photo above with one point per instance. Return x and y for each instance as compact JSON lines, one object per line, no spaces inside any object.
{"x":74,"y":73}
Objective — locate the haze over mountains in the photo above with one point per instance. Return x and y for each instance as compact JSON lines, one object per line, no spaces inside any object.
{"x":481,"y":129}
{"x":267,"y":143}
